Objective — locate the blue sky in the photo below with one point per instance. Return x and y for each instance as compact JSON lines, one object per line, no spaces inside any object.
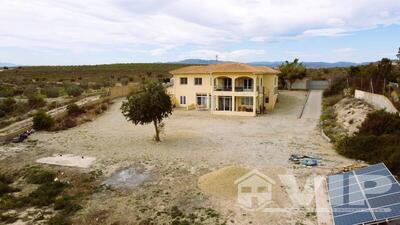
{"x":64,"y":32}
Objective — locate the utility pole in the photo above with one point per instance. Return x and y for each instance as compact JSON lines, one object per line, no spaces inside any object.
{"x":398,"y":55}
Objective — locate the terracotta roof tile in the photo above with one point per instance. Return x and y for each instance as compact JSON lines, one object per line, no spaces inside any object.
{"x":228,"y":67}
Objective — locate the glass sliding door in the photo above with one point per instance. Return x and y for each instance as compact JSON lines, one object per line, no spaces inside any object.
{"x":225,"y":103}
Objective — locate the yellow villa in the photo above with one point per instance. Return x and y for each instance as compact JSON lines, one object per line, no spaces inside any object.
{"x":231,"y":89}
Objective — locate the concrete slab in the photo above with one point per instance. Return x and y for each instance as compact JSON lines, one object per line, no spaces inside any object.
{"x":68,"y":160}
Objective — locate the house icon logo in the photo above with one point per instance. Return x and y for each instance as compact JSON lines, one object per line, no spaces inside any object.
{"x":254,"y":191}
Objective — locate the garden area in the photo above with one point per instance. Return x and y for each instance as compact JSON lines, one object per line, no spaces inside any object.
{"x":358,"y":130}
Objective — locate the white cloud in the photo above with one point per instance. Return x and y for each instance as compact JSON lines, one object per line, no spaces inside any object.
{"x":240,"y":55}
{"x":158,"y":24}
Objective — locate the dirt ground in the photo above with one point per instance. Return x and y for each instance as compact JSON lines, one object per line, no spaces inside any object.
{"x":351,"y":113}
{"x":193,"y":145}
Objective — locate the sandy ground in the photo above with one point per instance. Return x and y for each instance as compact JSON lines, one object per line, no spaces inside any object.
{"x":351,"y":113}
{"x":193,"y":145}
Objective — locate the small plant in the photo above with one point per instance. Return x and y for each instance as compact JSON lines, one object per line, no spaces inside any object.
{"x":73,"y":90}
{"x":42,"y":121}
{"x":36,"y":100}
{"x":51,"y":92}
{"x":74,"y":110}
{"x":36,"y":175}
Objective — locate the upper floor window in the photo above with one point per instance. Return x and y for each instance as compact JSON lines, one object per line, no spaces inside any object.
{"x":184,"y":80}
{"x":247,"y":83}
{"x":198,"y":81}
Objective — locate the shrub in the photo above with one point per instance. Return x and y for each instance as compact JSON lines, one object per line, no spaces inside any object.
{"x":74,"y":110}
{"x":378,"y":140}
{"x":104,"y":107}
{"x":6,"y":91}
{"x":42,"y":121}
{"x":73,"y":90}
{"x":336,"y":87}
{"x":2,"y":113}
{"x":331,"y":100}
{"x":30,"y":90}
{"x":8,"y":105}
{"x":379,"y":123}
{"x":36,"y":100}
{"x":51,"y":92}
{"x":35,"y":175}
{"x":46,"y":193}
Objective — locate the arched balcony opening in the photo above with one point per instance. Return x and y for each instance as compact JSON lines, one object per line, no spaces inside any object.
{"x":223,"y":84}
{"x":244,"y":84}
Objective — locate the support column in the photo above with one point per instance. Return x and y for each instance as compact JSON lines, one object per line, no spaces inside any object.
{"x":233,"y":103}
{"x":254,"y":105}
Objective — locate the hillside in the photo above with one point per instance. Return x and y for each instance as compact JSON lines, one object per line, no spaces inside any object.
{"x":91,"y":72}
{"x":273,"y":64}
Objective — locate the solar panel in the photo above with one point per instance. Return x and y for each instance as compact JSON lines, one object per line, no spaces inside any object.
{"x":365,"y":195}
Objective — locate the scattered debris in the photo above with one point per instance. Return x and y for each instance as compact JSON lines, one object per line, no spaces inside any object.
{"x":68,"y":160}
{"x":23,"y":136}
{"x":305,"y":160}
{"x":127,"y":178}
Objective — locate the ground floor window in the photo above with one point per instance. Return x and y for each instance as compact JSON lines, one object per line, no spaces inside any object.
{"x":183,"y":100}
{"x":246,"y":100}
{"x":201,"y":99}
{"x":266,"y":100}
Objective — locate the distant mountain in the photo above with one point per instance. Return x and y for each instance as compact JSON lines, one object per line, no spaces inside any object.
{"x":273,"y":64}
{"x":200,"y":61}
{"x":309,"y":64}
{"x":7,"y":64}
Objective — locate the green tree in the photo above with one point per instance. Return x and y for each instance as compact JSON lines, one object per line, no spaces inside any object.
{"x":150,"y":103}
{"x":384,"y":68}
{"x":291,"y":71}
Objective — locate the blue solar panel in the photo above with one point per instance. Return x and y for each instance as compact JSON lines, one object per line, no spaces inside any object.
{"x":382,"y":190}
{"x":370,"y":194}
{"x":354,"y":218}
{"x":344,"y":190}
{"x":350,"y":208}
{"x":348,"y":198}
{"x":387,"y":212}
{"x":384,"y":200}
{"x":370,"y":169}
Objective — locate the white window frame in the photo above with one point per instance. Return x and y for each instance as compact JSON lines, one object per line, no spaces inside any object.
{"x":182,"y":100}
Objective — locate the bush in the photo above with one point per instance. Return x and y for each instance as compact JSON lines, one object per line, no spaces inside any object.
{"x":8,"y":105}
{"x":35,"y":175}
{"x":73,"y":90}
{"x":74,"y":110}
{"x":379,"y":123}
{"x":36,"y":100}
{"x":42,"y":121}
{"x":336,"y":87}
{"x":2,"y":113}
{"x":378,"y":140}
{"x":30,"y":90}
{"x":331,"y":100}
{"x":46,"y":193}
{"x":51,"y":92}
{"x":6,"y":91}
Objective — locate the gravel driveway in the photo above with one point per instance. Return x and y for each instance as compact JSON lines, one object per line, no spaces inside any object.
{"x":196,"y":143}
